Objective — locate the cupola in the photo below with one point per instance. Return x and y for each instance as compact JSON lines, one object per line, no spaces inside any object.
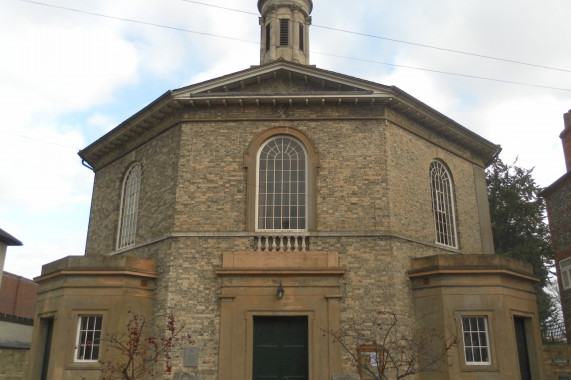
{"x":285,"y":30}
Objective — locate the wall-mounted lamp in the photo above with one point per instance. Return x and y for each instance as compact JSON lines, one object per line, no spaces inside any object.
{"x":280,"y":291}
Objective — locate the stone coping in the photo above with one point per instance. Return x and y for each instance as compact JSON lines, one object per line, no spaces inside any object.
{"x":16,"y":319}
{"x":470,"y":264}
{"x":98,"y":265}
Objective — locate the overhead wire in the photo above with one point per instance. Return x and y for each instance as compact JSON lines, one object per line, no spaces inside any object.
{"x":449,"y":50}
{"x":446,"y":72}
{"x":313,"y":52}
{"x":134,"y":21}
{"x":42,"y":141}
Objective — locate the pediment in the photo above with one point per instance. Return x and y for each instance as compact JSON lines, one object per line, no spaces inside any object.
{"x":283,"y":78}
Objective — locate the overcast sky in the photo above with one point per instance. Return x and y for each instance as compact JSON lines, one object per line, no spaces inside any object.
{"x":67,"y":77}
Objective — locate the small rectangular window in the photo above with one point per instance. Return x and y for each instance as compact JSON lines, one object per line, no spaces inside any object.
{"x":88,"y":338}
{"x":301,"y":40}
{"x":284,"y":32}
{"x":476,"y":341}
{"x":268,"y":37}
{"x":565,"y":271}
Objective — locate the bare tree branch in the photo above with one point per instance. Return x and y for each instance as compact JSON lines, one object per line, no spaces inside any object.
{"x":400,"y":348}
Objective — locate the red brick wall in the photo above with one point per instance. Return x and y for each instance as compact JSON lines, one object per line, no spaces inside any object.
{"x":566,"y":138}
{"x":18,"y":296}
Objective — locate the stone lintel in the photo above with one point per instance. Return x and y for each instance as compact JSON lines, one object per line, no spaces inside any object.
{"x":268,"y":272}
{"x":312,"y":262}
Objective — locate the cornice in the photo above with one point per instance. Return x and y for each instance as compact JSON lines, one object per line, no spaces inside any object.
{"x":225,"y":92}
{"x":465,"y":272}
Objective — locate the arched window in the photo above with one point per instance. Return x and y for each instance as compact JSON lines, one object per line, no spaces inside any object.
{"x":443,"y":204}
{"x":281,"y":185}
{"x":129,"y":207}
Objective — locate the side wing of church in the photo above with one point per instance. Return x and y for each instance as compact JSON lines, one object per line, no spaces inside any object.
{"x":271,"y":207}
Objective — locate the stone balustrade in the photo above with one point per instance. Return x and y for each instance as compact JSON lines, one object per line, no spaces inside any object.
{"x":281,"y":243}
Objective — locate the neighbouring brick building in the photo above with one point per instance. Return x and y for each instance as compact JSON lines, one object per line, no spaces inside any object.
{"x":6,"y":240}
{"x":558,"y":201}
{"x":17,"y":312}
{"x":268,"y":205}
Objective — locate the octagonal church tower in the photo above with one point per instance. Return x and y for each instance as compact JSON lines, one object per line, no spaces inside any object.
{"x":271,"y":206}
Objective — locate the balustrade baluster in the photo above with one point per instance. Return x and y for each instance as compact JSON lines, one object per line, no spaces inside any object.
{"x":281,"y":243}
{"x":267,"y":243}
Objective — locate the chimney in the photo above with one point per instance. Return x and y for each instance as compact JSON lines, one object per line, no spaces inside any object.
{"x":566,"y":139}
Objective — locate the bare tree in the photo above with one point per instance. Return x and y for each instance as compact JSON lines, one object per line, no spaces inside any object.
{"x":389,"y":346}
{"x":136,"y":351}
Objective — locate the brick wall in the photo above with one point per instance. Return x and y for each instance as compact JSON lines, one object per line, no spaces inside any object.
{"x":155,"y":217}
{"x":373,"y":205}
{"x":566,"y":139}
{"x":372,"y":177}
{"x":18,"y":296}
{"x":558,"y":200}
{"x":559,"y":211}
{"x":13,"y":364}
{"x":557,"y":361}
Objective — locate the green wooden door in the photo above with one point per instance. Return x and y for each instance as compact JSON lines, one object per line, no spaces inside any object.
{"x":280,"y":348}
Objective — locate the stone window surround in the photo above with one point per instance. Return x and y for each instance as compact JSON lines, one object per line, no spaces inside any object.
{"x":480,"y":344}
{"x":131,"y":218}
{"x":265,"y":201}
{"x":250,"y":163}
{"x":470,"y":367}
{"x":78,"y":340}
{"x":565,"y":272}
{"x":451,"y":228}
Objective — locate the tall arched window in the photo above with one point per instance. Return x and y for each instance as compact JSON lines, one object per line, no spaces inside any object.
{"x":129,"y":207}
{"x":281,"y":185}
{"x":443,"y":204}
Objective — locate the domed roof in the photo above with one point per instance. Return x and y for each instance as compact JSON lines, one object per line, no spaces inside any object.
{"x":261,"y":3}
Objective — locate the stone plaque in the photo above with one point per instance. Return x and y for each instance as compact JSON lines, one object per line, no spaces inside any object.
{"x":191,"y":356}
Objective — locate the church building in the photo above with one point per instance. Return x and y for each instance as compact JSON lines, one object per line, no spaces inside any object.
{"x":271,"y":208}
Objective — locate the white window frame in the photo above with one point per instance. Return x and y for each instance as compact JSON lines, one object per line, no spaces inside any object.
{"x":131,"y":188}
{"x":476,"y":332}
{"x":565,"y":273}
{"x":443,"y":208}
{"x":82,"y":342}
{"x":306,"y":186}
